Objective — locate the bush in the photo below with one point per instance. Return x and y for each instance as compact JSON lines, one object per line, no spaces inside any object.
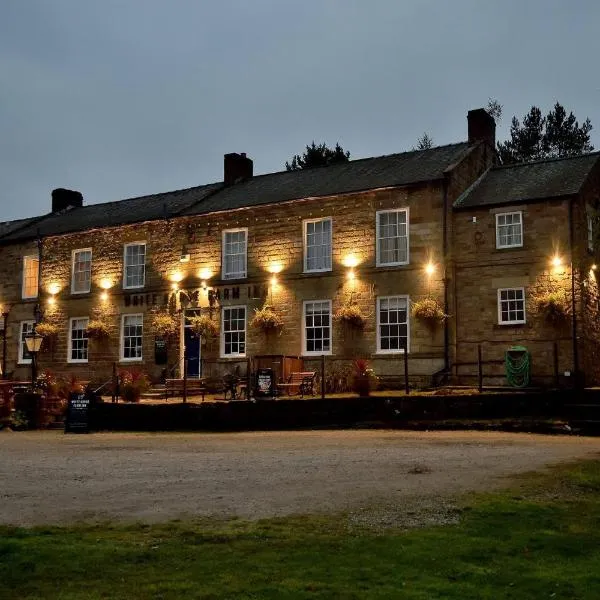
{"x":132,"y":385}
{"x":350,"y":314}
{"x":266,"y":318}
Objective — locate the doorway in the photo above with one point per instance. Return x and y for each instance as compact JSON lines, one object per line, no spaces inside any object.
{"x":192,"y":344}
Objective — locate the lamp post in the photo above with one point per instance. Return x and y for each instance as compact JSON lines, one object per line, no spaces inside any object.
{"x":34,"y":343}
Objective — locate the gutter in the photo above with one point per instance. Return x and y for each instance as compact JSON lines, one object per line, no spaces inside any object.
{"x":573,"y":304}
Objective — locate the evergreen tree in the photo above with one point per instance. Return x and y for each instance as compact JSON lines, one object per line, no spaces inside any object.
{"x":424,"y":142}
{"x":318,"y":156}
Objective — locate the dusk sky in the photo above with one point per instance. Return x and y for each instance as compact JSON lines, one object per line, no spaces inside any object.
{"x":122,"y":98}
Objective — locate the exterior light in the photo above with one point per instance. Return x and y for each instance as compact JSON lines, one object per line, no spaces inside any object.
{"x":430,"y":268}
{"x":556,"y":261}
{"x":205,"y":274}
{"x":175,"y":286}
{"x":104,"y":296}
{"x":106,"y":283}
{"x":203,"y":284}
{"x":53,"y":288}
{"x":274,"y":280}
{"x":350,"y":261}
{"x":275,"y":268}
{"x":594,"y":267}
{"x":33,"y":341}
{"x":351,"y":275}
{"x":52,"y":301}
{"x":177,"y":276}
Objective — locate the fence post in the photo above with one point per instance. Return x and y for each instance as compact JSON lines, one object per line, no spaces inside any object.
{"x":185,"y":369}
{"x":115,"y":385}
{"x":479,"y":369}
{"x":322,"y":377}
{"x":555,"y":360}
{"x":405,"y":357}
{"x":201,"y":367}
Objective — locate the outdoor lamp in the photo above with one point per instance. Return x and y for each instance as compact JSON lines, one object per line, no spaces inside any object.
{"x":33,"y":342}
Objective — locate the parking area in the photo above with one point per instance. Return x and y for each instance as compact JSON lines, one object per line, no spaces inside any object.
{"x":53,"y":478}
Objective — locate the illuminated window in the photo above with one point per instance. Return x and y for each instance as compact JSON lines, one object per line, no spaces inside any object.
{"x":511,"y":306}
{"x":31,"y":266}
{"x":233,"y":331}
{"x":317,"y":327}
{"x":78,"y":340}
{"x":234,"y":253}
{"x":392,"y":237}
{"x":509,"y":230}
{"x":25,"y":330}
{"x":317,"y":245}
{"x":132,"y":329}
{"x":392,"y":324}
{"x":81,"y":272}
{"x":134,"y":272}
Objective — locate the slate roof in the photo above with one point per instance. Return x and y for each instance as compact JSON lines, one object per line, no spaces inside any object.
{"x":529,"y":181}
{"x":353,"y":176}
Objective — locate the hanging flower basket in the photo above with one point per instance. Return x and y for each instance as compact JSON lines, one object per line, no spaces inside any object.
{"x":266,"y":318}
{"x":554,"y":307}
{"x":49,"y":331}
{"x":97,"y":329}
{"x":165,"y":325}
{"x":429,"y":311}
{"x":350,"y":314}
{"x":204,"y":326}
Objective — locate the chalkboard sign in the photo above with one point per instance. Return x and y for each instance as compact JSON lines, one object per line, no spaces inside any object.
{"x":160,"y":351}
{"x":78,"y":414}
{"x":264,"y":382}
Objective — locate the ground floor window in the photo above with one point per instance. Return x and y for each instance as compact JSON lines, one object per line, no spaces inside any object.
{"x":511,"y":306}
{"x":26,"y":329}
{"x":233,"y":331}
{"x":317,"y":327}
{"x":132,"y":328}
{"x":392,"y":324}
{"x":78,"y":340}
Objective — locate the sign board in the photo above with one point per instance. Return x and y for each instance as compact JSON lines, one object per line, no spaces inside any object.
{"x":78,"y":414}
{"x":264,"y":382}
{"x":160,"y":351}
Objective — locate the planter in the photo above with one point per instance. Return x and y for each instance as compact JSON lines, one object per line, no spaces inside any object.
{"x":362,"y":385}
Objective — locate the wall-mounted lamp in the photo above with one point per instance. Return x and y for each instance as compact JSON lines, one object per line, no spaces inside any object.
{"x":205,"y":274}
{"x":430,"y":268}
{"x":594,"y":267}
{"x":350,"y":261}
{"x":51,"y":300}
{"x":556,"y":261}
{"x":104,"y":296}
{"x":53,"y":289}
{"x":351,"y":275}
{"x":106,"y":283}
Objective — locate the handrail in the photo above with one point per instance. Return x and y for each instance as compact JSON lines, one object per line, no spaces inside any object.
{"x":96,"y":391}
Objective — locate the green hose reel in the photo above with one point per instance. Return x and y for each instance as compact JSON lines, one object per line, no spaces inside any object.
{"x":517,"y":363}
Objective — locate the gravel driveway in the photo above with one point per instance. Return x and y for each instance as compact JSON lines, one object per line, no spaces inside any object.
{"x":49,"y":477}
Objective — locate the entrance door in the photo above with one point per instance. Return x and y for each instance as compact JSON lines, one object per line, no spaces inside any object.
{"x":192,"y":344}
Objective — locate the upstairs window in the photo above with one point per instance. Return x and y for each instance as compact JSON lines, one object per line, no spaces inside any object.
{"x":78,"y":340}
{"x":509,"y":230}
{"x":31,"y":267}
{"x":590,"y":233}
{"x":392,"y":237}
{"x":81,"y":272}
{"x":134,"y":271}
{"x":235,"y":246}
{"x":317,"y":245}
{"x":511,"y":306}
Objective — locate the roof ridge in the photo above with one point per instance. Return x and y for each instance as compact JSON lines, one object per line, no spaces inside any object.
{"x":546,"y":160}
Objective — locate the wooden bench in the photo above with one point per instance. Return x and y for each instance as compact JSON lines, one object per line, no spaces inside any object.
{"x":193,"y":387}
{"x":299,"y":383}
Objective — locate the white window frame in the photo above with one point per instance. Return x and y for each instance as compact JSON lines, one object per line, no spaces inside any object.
{"x":506,"y":214}
{"x":590,"y":233}
{"x":240,"y":275}
{"x":25,"y":259}
{"x":519,"y":321}
{"x":22,"y":343}
{"x":134,"y":287}
{"x":305,"y":223}
{"x":378,"y":261}
{"x":73,"y":255}
{"x":377,"y":309}
{"x":245,"y":330}
{"x":122,"y":339}
{"x":306,"y":352}
{"x":70,"y":358}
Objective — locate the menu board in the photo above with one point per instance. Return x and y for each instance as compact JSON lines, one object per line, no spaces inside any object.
{"x":78,"y":414}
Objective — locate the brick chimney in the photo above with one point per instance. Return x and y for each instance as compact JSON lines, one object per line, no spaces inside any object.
{"x":63,"y":199}
{"x":236,"y":167}
{"x":482,"y":127}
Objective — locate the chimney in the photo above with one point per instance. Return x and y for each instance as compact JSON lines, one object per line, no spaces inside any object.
{"x":482,"y":127}
{"x":64,"y":199}
{"x":237,"y":167}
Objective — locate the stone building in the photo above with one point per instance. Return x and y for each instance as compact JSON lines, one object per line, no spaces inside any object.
{"x":367,"y":240}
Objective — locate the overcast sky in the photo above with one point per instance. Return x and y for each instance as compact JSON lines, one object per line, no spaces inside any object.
{"x":122,"y":98}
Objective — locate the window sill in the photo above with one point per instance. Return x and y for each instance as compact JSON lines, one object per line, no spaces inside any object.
{"x":391,"y":265}
{"x":131,"y":360}
{"x":24,"y":363}
{"x":77,"y":362}
{"x":317,"y":271}
{"x":391,"y":352}
{"x":505,"y":325}
{"x":232,"y":356}
{"x":316,"y":354}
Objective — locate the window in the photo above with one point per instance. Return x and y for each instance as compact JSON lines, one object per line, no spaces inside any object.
{"x":81,"y":273}
{"x":234,"y":253}
{"x":392,"y":324}
{"x":31,"y":266}
{"x":590,"y":233}
{"x":233,"y":331}
{"x":26,"y":329}
{"x":392,"y":237}
{"x":134,"y":273}
{"x":132,"y":328}
{"x":317,"y":245}
{"x":511,"y":306}
{"x":317,"y":327}
{"x":509,"y":230}
{"x":78,"y":340}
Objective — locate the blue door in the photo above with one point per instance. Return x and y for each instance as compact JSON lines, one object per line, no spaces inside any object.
{"x":192,"y":343}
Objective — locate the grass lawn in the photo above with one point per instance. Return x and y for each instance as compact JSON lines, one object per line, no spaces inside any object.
{"x":541,"y":539}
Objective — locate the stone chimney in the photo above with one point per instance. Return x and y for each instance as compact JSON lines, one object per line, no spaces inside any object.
{"x":482,"y":127}
{"x":64,"y":199}
{"x":236,"y":167}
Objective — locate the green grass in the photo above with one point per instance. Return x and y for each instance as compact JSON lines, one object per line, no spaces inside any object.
{"x":540,"y":539}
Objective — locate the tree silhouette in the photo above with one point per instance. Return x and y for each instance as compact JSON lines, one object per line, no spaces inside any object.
{"x":318,"y":156}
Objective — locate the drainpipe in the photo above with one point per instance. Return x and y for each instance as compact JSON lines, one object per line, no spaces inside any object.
{"x":445,"y":279}
{"x":573,"y":305}
{"x":5,"y":320}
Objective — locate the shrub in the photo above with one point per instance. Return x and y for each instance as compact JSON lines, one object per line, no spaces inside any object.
{"x":552,"y":306}
{"x":132,"y":384}
{"x":266,"y":318}
{"x":204,"y":326}
{"x":350,"y":314}
{"x":429,"y":311}
{"x":97,"y":329}
{"x":165,"y":325}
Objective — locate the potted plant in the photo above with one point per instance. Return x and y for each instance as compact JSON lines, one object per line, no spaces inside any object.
{"x":429,"y":311}
{"x":552,"y":306}
{"x":97,"y":329}
{"x":363,"y":377}
{"x":350,"y":314}
{"x":132,"y":385}
{"x":204,"y":326}
{"x":267,"y":319}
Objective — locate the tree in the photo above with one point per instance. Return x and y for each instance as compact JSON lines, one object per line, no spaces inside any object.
{"x":556,"y":135}
{"x":494,"y":108}
{"x":318,"y":156}
{"x":424,"y":142}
